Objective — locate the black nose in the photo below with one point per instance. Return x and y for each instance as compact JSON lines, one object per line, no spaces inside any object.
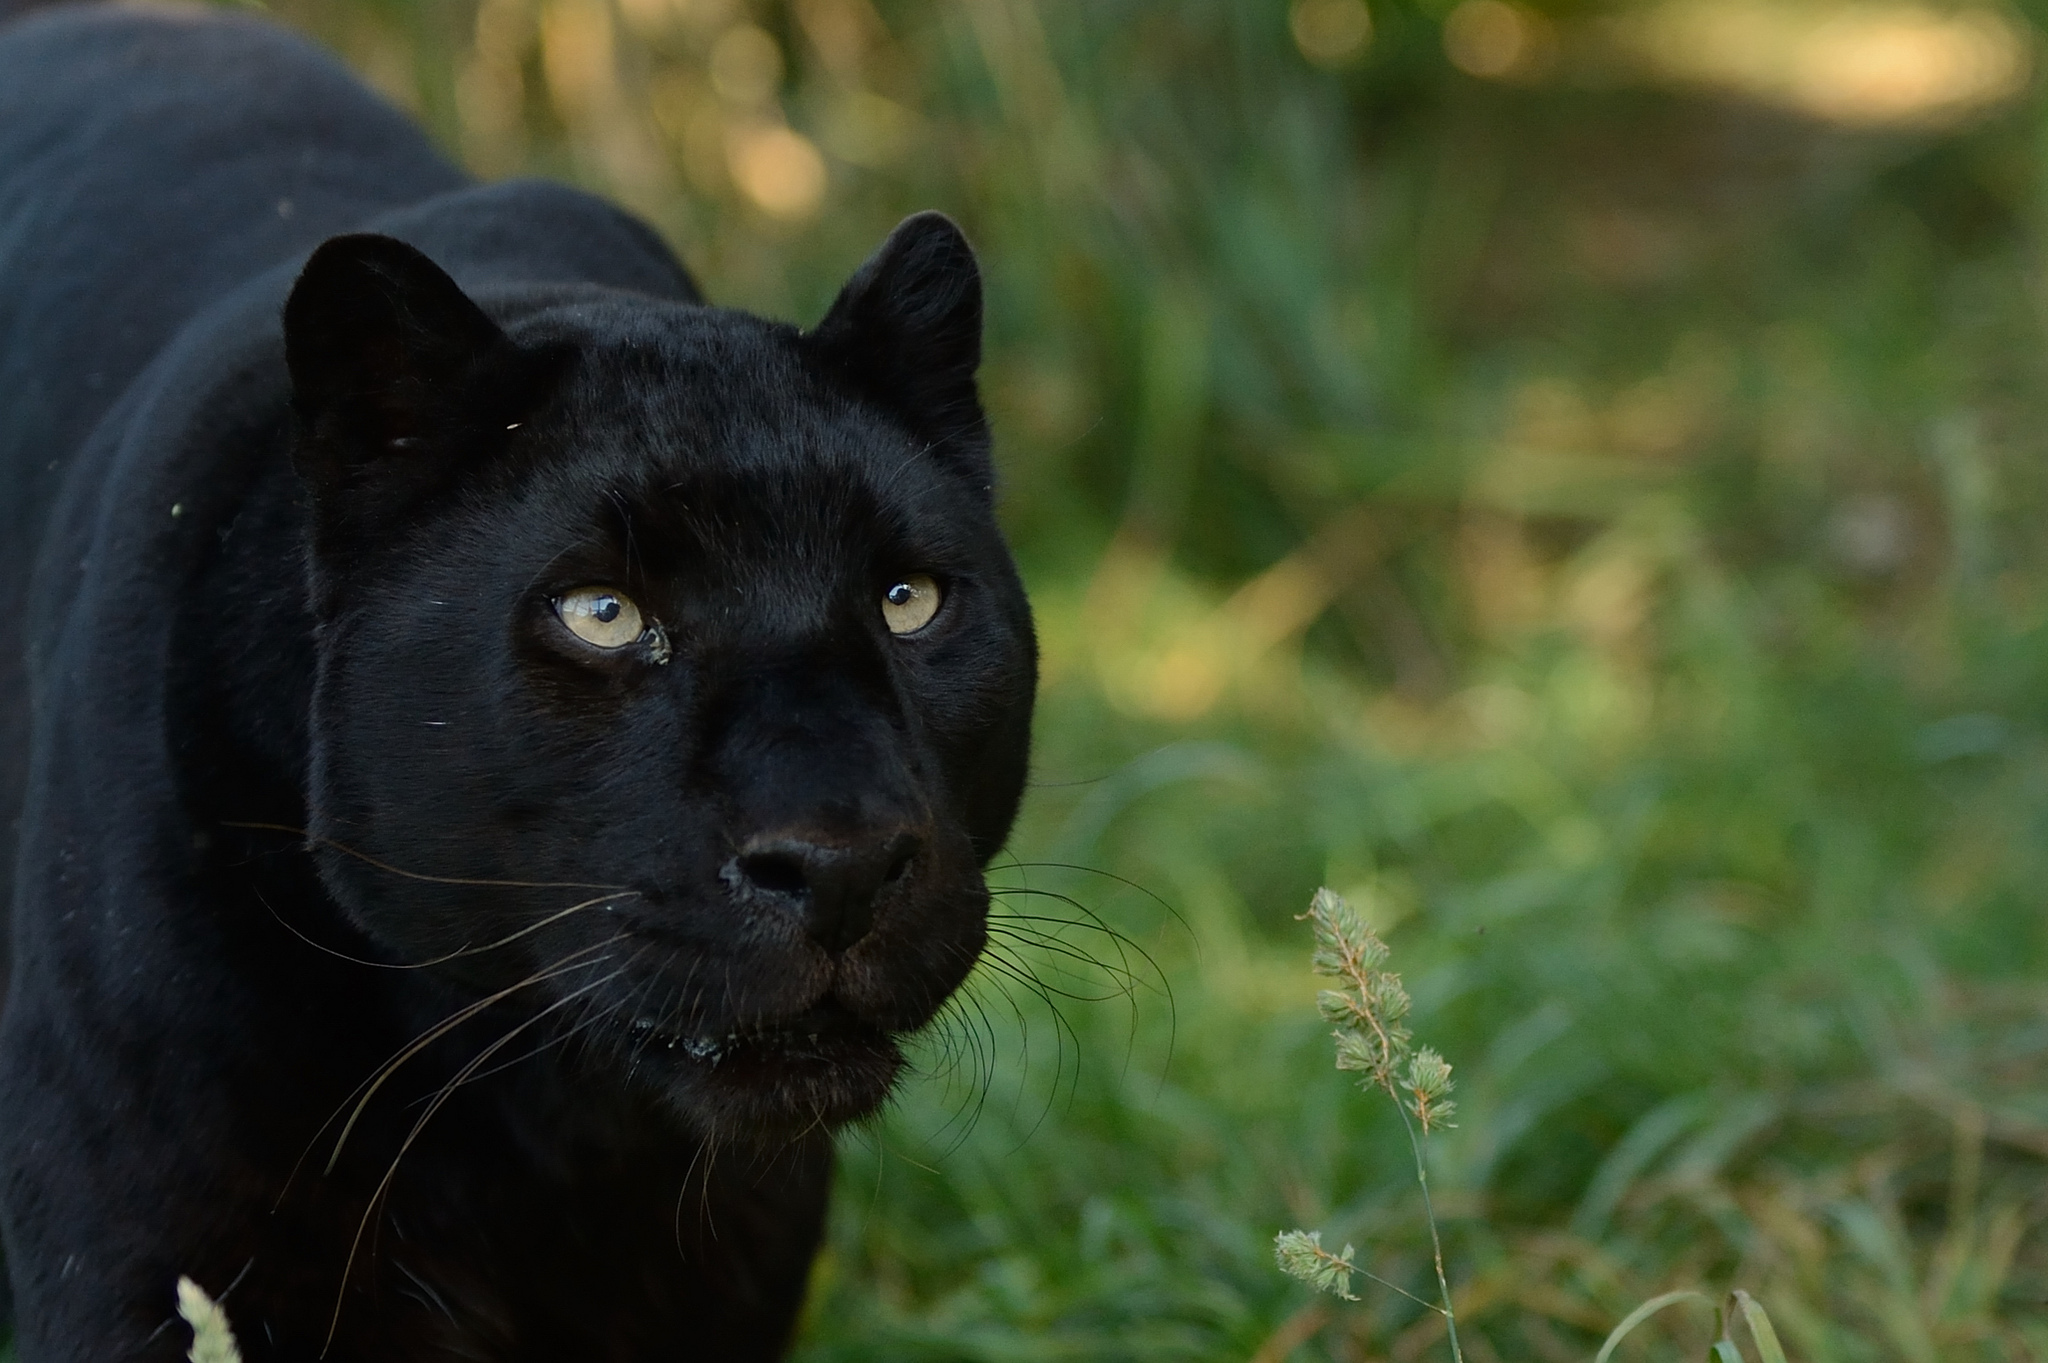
{"x":835,"y":883}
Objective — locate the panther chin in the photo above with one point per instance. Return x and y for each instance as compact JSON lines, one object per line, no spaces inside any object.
{"x":816,"y":1071}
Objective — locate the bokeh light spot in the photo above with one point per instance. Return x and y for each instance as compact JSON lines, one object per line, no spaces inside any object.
{"x":746,"y":65}
{"x":1331,"y":33}
{"x":1868,"y":64}
{"x":778,"y":169}
{"x":1489,"y":38}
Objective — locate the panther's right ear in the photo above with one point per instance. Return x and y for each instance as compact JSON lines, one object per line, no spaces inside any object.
{"x":906,"y":330}
{"x":396,"y":374}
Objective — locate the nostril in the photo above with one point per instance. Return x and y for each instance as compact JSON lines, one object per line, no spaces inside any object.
{"x":900,"y":867}
{"x":775,"y":872}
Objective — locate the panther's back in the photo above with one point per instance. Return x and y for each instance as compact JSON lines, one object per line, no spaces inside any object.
{"x":150,"y":160}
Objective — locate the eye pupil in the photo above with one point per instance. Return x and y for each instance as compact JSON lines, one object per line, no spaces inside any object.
{"x":900,"y":594}
{"x":605,"y":609}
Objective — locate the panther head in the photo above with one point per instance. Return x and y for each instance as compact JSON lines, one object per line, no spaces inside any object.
{"x":674,"y":678}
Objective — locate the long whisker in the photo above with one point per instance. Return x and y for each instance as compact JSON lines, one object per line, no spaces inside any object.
{"x":560,"y":1037}
{"x":959,"y":1040}
{"x":1125,"y":980}
{"x":454,"y":955}
{"x":1009,"y":963}
{"x":1062,"y":1032}
{"x":708,"y":1148}
{"x":435,"y":1033}
{"x":1097,"y":924}
{"x":998,"y":973}
{"x":1125,"y":881}
{"x":964,"y":1042}
{"x":367,"y":859}
{"x":1123,"y":945}
{"x":447,"y":1091}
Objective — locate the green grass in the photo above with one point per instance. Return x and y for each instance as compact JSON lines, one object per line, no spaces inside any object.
{"x":1595,"y":526}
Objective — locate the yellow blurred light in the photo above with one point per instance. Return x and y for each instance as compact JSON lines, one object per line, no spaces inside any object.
{"x":1278,"y":604}
{"x":1491,"y":39}
{"x":689,"y":117}
{"x":490,"y":90}
{"x":746,"y":65}
{"x":1505,"y":580}
{"x":1165,"y":649}
{"x":1655,"y":417}
{"x":1331,"y":33}
{"x":842,"y":31}
{"x":1187,"y":681}
{"x":778,"y":168}
{"x":869,"y":129}
{"x":1608,"y":599}
{"x":1909,"y":63}
{"x":648,"y":18}
{"x":577,"y":56}
{"x":655,"y":18}
{"x":1866,"y":64}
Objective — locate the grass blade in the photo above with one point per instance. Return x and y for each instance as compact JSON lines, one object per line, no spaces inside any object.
{"x":1643,"y":1313}
{"x":1760,"y":1328}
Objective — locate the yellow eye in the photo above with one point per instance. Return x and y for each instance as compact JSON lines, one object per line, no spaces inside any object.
{"x":909,"y":605}
{"x":600,"y":616}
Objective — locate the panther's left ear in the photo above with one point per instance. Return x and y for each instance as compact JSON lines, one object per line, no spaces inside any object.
{"x":906,"y":330}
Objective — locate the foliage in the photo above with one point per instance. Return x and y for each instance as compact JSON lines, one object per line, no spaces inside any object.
{"x":1739,"y":1306}
{"x":1301,"y":1255}
{"x":1589,"y":519}
{"x":1372,"y":1042}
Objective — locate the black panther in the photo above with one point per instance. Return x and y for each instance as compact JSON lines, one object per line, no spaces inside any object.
{"x":497,"y":753}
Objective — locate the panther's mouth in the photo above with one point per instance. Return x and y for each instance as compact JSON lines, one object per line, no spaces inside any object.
{"x":819,"y":1035}
{"x":820,"y":1067}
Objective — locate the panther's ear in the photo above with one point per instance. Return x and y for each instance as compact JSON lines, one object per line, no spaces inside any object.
{"x":395,"y":373}
{"x":907,"y":330}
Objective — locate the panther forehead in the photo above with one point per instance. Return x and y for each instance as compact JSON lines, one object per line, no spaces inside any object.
{"x":675,"y":389}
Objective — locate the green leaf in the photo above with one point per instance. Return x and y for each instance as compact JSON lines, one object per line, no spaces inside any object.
{"x":1760,"y":1327}
{"x":1643,"y":1313}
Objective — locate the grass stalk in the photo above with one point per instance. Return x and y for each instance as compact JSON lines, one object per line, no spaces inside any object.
{"x":1416,"y":1145}
{"x":1372,"y":1041}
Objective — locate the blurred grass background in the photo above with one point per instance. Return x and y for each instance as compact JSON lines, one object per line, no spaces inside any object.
{"x":1569,"y":476}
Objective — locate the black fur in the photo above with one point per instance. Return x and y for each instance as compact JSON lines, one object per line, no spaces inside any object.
{"x":300,"y":760}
